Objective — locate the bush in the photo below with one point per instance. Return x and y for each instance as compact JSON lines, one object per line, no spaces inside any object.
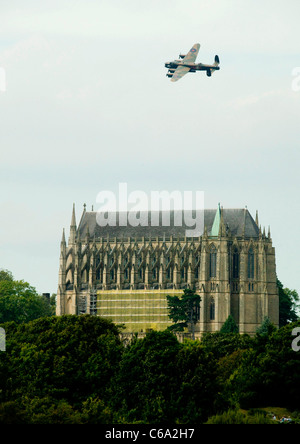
{"x":237,"y":417}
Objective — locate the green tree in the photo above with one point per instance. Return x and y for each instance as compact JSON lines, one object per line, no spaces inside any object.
{"x":95,"y":411}
{"x":47,"y":410}
{"x":268,"y":373}
{"x":147,"y":379}
{"x":237,"y":417}
{"x":266,"y":328}
{"x":184,"y":311}
{"x":221,"y":344}
{"x":60,"y":358}
{"x":198,"y":388}
{"x":229,"y":326}
{"x":12,"y":413}
{"x":53,"y":301}
{"x":288,"y":305}
{"x":6,"y":275}
{"x":20,"y":302}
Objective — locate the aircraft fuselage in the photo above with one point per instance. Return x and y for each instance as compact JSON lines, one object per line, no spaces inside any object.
{"x":193,"y":66}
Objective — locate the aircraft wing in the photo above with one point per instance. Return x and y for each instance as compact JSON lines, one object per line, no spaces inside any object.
{"x":192,"y":54}
{"x":179,"y":72}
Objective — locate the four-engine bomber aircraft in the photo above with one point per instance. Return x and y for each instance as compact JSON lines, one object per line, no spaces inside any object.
{"x":178,"y":68}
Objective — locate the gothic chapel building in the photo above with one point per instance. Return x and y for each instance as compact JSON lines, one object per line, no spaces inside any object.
{"x":125,"y":273}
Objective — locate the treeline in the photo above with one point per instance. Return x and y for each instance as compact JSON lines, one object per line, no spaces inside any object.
{"x":20,"y":302}
{"x":76,"y":369}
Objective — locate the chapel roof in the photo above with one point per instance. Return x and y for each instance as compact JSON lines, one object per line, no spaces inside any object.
{"x":239,"y":221}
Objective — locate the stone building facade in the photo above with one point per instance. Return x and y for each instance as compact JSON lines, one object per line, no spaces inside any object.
{"x":125,"y":273}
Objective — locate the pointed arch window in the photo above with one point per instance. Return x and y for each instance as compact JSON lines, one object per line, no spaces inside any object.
{"x":183,"y":273}
{"x":141,"y":273}
{"x":250,"y":264}
{"x":213,"y":262}
{"x":98,"y":268}
{"x":235,"y":264}
{"x":99,"y":273}
{"x":212,"y":309}
{"x":169,"y":273}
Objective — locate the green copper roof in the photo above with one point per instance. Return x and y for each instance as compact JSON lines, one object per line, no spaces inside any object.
{"x":216,"y":224}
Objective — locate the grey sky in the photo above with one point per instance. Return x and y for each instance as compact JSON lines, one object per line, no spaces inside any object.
{"x":87,"y":105}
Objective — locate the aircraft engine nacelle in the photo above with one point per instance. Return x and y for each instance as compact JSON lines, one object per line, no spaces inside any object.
{"x":182,"y":56}
{"x":169,"y":74}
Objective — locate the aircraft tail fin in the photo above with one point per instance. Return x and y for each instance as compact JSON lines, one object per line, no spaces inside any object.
{"x":216,"y":64}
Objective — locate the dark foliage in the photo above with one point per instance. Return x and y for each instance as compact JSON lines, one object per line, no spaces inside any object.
{"x":75,"y":369}
{"x":184,"y":311}
{"x":288,"y":304}
{"x":65,"y":358}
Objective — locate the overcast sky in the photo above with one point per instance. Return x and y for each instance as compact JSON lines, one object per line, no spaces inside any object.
{"x":87,"y":105}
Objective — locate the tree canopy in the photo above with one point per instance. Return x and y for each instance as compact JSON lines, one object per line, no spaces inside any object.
{"x":229,"y":326}
{"x":184,"y":310}
{"x":6,"y":275}
{"x":76,"y":369}
{"x":288,"y":304}
{"x":19,"y":301}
